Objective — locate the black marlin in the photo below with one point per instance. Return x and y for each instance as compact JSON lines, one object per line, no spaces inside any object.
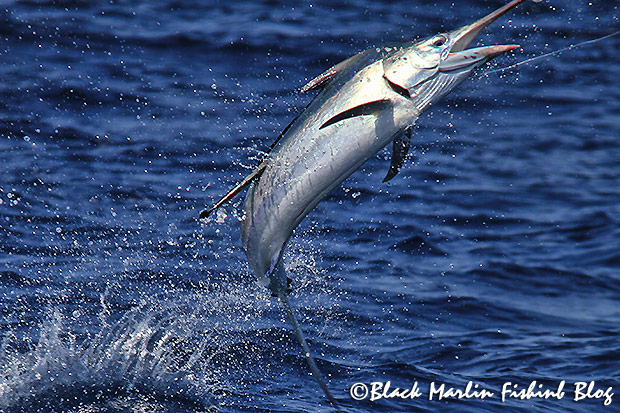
{"x":364,"y":103}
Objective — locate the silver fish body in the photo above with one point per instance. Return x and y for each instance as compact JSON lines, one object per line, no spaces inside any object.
{"x":365,"y":102}
{"x":309,"y":161}
{"x":312,"y":159}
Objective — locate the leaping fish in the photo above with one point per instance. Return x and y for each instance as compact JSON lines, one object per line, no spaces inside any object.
{"x":363,"y":104}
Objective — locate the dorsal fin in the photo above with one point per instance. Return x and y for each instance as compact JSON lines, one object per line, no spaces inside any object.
{"x":326,"y":76}
{"x":320,"y":80}
{"x":359,"y":110}
{"x":400,"y":148}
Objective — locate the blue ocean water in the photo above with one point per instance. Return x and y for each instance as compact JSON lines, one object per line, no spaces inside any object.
{"x":493,"y":257}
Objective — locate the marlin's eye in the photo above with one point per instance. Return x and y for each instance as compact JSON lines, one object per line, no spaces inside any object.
{"x":439,"y":41}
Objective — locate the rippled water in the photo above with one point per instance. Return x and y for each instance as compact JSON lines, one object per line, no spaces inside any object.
{"x":492,"y":257}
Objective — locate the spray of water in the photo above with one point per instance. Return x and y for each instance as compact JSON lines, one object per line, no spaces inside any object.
{"x":170,"y":354}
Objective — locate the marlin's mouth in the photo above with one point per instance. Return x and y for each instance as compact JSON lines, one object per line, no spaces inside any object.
{"x":460,"y":58}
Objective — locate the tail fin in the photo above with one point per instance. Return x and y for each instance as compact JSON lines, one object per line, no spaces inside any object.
{"x":300,"y":337}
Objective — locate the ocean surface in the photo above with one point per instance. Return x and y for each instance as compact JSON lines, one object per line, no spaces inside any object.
{"x":492,"y":258}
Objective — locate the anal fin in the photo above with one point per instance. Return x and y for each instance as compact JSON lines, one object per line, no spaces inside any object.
{"x":234,"y":191}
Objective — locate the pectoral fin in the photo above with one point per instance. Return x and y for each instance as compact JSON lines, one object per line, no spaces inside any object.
{"x":400,"y":148}
{"x":360,"y":110}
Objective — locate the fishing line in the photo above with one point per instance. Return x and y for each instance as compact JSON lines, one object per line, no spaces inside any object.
{"x":556,"y":52}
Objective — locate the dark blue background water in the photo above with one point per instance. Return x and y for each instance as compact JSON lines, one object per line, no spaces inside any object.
{"x":493,"y":256}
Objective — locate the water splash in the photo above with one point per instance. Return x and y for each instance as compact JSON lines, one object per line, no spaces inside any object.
{"x":160,"y":355}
